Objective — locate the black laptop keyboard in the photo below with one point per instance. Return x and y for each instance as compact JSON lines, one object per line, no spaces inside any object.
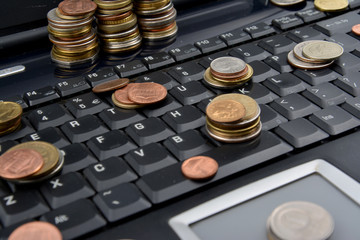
{"x":121,"y":162}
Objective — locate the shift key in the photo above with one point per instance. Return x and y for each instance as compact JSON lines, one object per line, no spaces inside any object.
{"x":339,"y":24}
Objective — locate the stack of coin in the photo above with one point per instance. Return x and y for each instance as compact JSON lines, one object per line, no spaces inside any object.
{"x":228,"y":73}
{"x":117,"y":26}
{"x":137,"y":95}
{"x":286,"y":3}
{"x":156,"y":19}
{"x":299,"y":220}
{"x":331,"y":5}
{"x":70,"y":30}
{"x":10,"y":117}
{"x":233,"y":118}
{"x":31,"y":162}
{"x":314,"y":54}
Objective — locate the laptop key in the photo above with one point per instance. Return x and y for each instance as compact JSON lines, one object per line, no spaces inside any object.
{"x":18,"y":99}
{"x":346,"y":41}
{"x":24,"y":129}
{"x":132,"y":68}
{"x":354,"y":3}
{"x":316,"y":77}
{"x":157,"y":60}
{"x":304,"y":34}
{"x":334,"y":120}
{"x":85,"y":104}
{"x":41,"y":95}
{"x":116,"y":205}
{"x":210,"y":44}
{"x":184,"y":118}
{"x":65,"y":189}
{"x":71,"y":86}
{"x":184,"y":52}
{"x":110,"y":144}
{"x":249,"y":52}
{"x":190,"y":71}
{"x":300,"y":132}
{"x":49,"y":116}
{"x":83,"y":128}
{"x":117,"y":118}
{"x":352,"y":105}
{"x":346,"y":63}
{"x":277,"y":44}
{"x":148,"y":131}
{"x":101,"y":76}
{"x":285,"y":84}
{"x":158,"y":77}
{"x":310,"y":15}
{"x":339,"y":24}
{"x":75,"y":219}
{"x":349,"y":83}
{"x":51,"y":135}
{"x":158,"y":109}
{"x":187,"y":144}
{"x":262,"y":71}
{"x":325,"y":95}
{"x":109,"y":173}
{"x":279,"y":62}
{"x":259,"y":30}
{"x":4,"y":146}
{"x":149,"y":158}
{"x":286,"y":22}
{"x":190,"y":93}
{"x":294,"y":106}
{"x":269,"y":118}
{"x":21,"y":205}
{"x":206,"y":61}
{"x":261,"y":94}
{"x":235,"y":36}
{"x":76,"y":157}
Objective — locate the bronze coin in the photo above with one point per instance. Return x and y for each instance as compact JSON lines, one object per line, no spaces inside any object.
{"x":77,"y":7}
{"x":121,"y":95}
{"x":199,"y":167}
{"x":36,"y":231}
{"x":110,"y":85}
{"x":225,"y":111}
{"x":356,"y":29}
{"x":20,"y":163}
{"x":147,"y":93}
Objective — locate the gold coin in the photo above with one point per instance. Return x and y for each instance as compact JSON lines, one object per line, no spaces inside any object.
{"x":11,"y":129}
{"x":112,"y":4}
{"x":240,"y":130}
{"x":48,"y":151}
{"x":225,"y":111}
{"x":323,"y":50}
{"x":231,"y":138}
{"x":10,"y":112}
{"x":331,"y":5}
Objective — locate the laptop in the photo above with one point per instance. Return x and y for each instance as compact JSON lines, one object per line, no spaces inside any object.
{"x":306,"y":151}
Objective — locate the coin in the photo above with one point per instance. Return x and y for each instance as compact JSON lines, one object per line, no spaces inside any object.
{"x":225,"y":111}
{"x":300,"y":220}
{"x":356,"y":29}
{"x":147,"y":93}
{"x":110,"y":85}
{"x":286,"y":2}
{"x":227,"y":66}
{"x":305,"y":65}
{"x":20,"y":163}
{"x":199,"y":167}
{"x":10,"y":112}
{"x":36,"y":231}
{"x":121,"y":95}
{"x":298,"y":52}
{"x":323,"y":50}
{"x":77,"y":7}
{"x":331,"y":5}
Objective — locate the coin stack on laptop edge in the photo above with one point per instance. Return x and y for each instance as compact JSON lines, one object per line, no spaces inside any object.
{"x":31,"y":162}
{"x":156,"y":19}
{"x":117,"y":26}
{"x":299,"y":220}
{"x":233,"y":118}
{"x":286,"y":3}
{"x":10,"y":117}
{"x":314,"y":54}
{"x":70,"y":30}
{"x":228,"y":73}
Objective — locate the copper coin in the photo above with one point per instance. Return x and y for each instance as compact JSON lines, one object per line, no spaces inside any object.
{"x":225,"y":111}
{"x":199,"y":167}
{"x":110,"y":85}
{"x":77,"y":7}
{"x":356,"y":29}
{"x":36,"y":231}
{"x":121,"y":95}
{"x":20,"y":163}
{"x":147,"y":93}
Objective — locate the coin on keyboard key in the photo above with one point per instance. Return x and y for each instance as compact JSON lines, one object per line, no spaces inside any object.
{"x":226,"y":111}
{"x":295,"y":62}
{"x":199,"y":167}
{"x":10,"y":116}
{"x":147,"y":93}
{"x":36,"y":230}
{"x":20,"y":163}
{"x":300,"y":220}
{"x":286,"y":2}
{"x":77,"y":7}
{"x":224,"y":67}
{"x":331,"y":5}
{"x":323,"y":50}
{"x":298,"y":52}
{"x":356,"y":29}
{"x":111,"y":85}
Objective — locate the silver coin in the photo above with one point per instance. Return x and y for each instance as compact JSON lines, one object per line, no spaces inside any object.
{"x":323,"y":50}
{"x":286,"y":2}
{"x":298,"y":52}
{"x":228,"y":65}
{"x":305,"y":65}
{"x":300,"y":220}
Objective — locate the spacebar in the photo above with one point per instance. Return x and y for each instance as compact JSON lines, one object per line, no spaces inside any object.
{"x":169,"y":182}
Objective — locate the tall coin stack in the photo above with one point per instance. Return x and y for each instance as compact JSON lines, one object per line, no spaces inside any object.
{"x":156,"y":19}
{"x":228,"y":73}
{"x":10,"y":117}
{"x":117,"y":26}
{"x":233,"y":118}
{"x":70,"y":30}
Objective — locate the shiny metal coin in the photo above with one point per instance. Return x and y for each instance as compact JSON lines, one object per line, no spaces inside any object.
{"x":298,"y":52}
{"x":331,"y":5}
{"x":286,"y":2}
{"x":305,"y":65}
{"x":323,"y":50}
{"x":227,"y":66}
